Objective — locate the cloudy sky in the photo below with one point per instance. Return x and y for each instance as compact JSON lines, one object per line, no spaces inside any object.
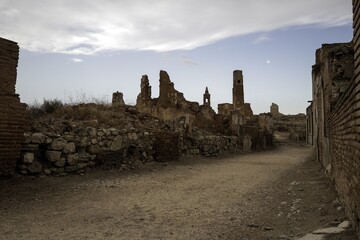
{"x":89,"y":48}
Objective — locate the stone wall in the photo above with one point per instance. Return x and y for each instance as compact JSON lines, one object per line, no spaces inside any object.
{"x":84,"y":148}
{"x":209,"y":145}
{"x":12,"y":112}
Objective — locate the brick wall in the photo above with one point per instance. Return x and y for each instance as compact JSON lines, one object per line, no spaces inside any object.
{"x":335,"y":113}
{"x":332,"y":75}
{"x":345,"y":135}
{"x":12,"y":112}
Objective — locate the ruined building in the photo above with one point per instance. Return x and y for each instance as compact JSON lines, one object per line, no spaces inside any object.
{"x":274,"y":110}
{"x":332,"y":74}
{"x":12,"y":112}
{"x":232,"y":119}
{"x":238,"y":103}
{"x":118,"y":99}
{"x":334,"y":116}
{"x":206,"y":98}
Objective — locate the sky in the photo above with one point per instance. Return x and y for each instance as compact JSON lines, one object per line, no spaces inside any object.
{"x":81,"y":50}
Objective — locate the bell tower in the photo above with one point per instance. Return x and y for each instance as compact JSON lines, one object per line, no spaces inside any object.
{"x":238,"y":89}
{"x":206,"y":98}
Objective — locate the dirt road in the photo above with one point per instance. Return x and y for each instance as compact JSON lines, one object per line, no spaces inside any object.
{"x":276,"y":194}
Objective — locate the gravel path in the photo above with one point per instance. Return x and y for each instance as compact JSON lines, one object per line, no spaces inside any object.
{"x":228,"y":197}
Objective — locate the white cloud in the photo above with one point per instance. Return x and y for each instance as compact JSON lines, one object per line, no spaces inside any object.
{"x":187,"y":60}
{"x":92,"y":26}
{"x":77,"y":60}
{"x":261,"y":39}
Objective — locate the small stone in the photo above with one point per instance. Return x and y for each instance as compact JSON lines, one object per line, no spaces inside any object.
{"x":114,"y":131}
{"x":71,"y":169}
{"x":339,"y":208}
{"x":312,"y":237}
{"x":284,"y":237}
{"x":52,"y":156}
{"x":329,"y":230}
{"x":344,"y":224}
{"x":69,"y":148}
{"x":268,"y":228}
{"x":47,"y":171}
{"x":82,"y":165}
{"x":28,"y":157}
{"x":58,"y":144}
{"x":60,"y":163}
{"x":57,"y":170}
{"x":117,"y":144}
{"x":93,"y":149}
{"x":27,"y":138}
{"x":35,"y":167}
{"x":38,"y":138}
{"x":92,"y":131}
{"x":72,"y":159}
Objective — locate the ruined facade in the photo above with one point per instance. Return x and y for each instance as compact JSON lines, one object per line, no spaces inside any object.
{"x":118,"y":99}
{"x":12,"y":112}
{"x":331,"y":75}
{"x":238,"y":89}
{"x":274,"y":110}
{"x":169,"y":105}
{"x":335,"y":114}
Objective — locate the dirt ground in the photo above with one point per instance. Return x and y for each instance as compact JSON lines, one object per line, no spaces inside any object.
{"x":279,"y":194}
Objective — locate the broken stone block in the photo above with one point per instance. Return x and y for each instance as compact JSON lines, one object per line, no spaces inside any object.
{"x":69,"y":169}
{"x":52,"y":156}
{"x":247,"y":143}
{"x":82,"y":165}
{"x":92,"y":131}
{"x":69,"y":148}
{"x":60,"y":163}
{"x":35,"y":168}
{"x":118,"y":99}
{"x":38,"y":138}
{"x":93,"y":149}
{"x":58,"y":144}
{"x":117,"y":144}
{"x":72,"y":159}
{"x":28,"y":157}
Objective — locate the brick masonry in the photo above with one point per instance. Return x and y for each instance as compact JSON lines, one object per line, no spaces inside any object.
{"x":12,"y":112}
{"x":335,"y":113}
{"x":345,"y":135}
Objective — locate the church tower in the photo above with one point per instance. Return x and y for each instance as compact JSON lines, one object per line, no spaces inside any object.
{"x":238,"y":89}
{"x":206,"y":98}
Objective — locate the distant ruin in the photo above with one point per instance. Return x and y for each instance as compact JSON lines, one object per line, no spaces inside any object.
{"x":234,"y":118}
{"x":274,"y":110}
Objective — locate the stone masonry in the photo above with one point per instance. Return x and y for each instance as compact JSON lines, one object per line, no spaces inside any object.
{"x":12,"y":112}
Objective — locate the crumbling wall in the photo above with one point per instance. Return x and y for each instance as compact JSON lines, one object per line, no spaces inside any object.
{"x":332,"y":74}
{"x":345,"y":135}
{"x":336,"y":116}
{"x":83,"y":148}
{"x":118,"y":99}
{"x":12,"y":112}
{"x":274,"y":110}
